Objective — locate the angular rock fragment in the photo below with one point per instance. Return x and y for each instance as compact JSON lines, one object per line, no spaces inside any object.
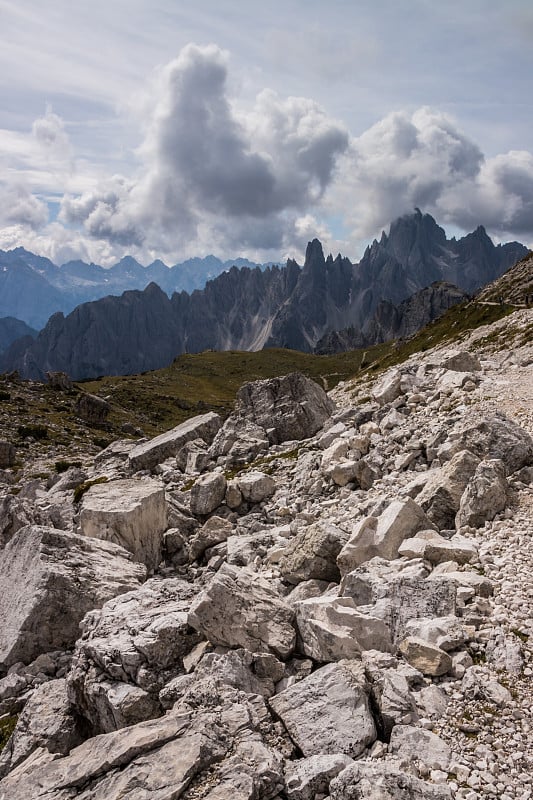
{"x":307,"y":777}
{"x":287,"y":408}
{"x":416,"y":744}
{"x":208,"y":493}
{"x":427,"y":658}
{"x":441,"y":496}
{"x":214,"y":531}
{"x":383,"y":535}
{"x":496,"y":436}
{"x":312,"y":554}
{"x":328,"y":712}
{"x":383,"y":781}
{"x":128,"y":650}
{"x":485,"y":494}
{"x":256,"y":486}
{"x":332,"y":628}
{"x":239,"y":609}
{"x":49,"y":580}
{"x":130,"y":513}
{"x":47,"y":721}
{"x":148,"y":454}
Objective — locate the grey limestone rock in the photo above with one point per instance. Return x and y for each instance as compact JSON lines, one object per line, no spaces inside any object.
{"x":131,"y":513}
{"x":148,"y":454}
{"x":256,"y":486}
{"x":49,"y":580}
{"x":328,"y":712}
{"x":383,"y":781}
{"x":312,"y":554}
{"x":333,"y":628}
{"x":495,"y":436}
{"x":416,"y":744}
{"x":307,"y":777}
{"x":208,"y":493}
{"x":485,"y":494}
{"x":441,"y":496}
{"x":239,"y":609}
{"x":287,"y":408}
{"x":128,"y":650}
{"x":47,"y":721}
{"x":383,"y":535}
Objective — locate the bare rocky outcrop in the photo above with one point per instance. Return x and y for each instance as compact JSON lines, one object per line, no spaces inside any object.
{"x":346,"y":639}
{"x":128,"y":650}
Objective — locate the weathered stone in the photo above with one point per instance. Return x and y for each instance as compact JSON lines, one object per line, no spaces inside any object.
{"x":148,"y":454}
{"x":445,"y":632}
{"x":218,"y":732}
{"x":233,"y":495}
{"x":496,"y":436}
{"x":92,"y":409}
{"x":332,"y":628}
{"x":239,"y":609}
{"x":239,"y":441}
{"x":392,"y":699}
{"x":287,"y":408}
{"x":47,"y":721}
{"x":484,"y":496}
{"x":462,"y":361}
{"x":50,"y":579}
{"x":427,"y":658}
{"x":59,"y":380}
{"x":208,"y":493}
{"x":388,"y":388}
{"x":131,"y":513}
{"x":416,"y":744}
{"x":382,"y":536}
{"x":128,"y":650}
{"x":328,"y":712}
{"x":256,"y":486}
{"x":441,"y":496}
{"x":309,"y":777}
{"x":312,"y":553}
{"x":215,"y":530}
{"x":437,"y":549}
{"x":383,"y":781}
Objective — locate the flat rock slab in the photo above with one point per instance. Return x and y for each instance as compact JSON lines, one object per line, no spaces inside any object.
{"x":149,"y":454}
{"x":239,"y":609}
{"x":328,"y":712}
{"x":49,"y":579}
{"x":131,"y":513}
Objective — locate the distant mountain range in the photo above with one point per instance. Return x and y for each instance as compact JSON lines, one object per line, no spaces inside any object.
{"x":249,"y":309}
{"x":32,"y":288}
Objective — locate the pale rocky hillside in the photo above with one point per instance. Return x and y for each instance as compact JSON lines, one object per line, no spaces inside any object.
{"x":323,"y":597}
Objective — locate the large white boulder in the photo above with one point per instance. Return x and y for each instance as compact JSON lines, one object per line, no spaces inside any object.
{"x":328,"y":712}
{"x":129,"y":512}
{"x":383,"y":535}
{"x":49,"y":579}
{"x":239,"y":609}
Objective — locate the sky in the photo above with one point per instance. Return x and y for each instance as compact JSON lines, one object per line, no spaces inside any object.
{"x":165,"y":129}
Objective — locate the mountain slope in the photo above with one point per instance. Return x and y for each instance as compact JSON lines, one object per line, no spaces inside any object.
{"x":248,"y":309}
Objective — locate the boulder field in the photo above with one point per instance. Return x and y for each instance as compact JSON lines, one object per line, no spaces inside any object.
{"x":321,"y":597}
